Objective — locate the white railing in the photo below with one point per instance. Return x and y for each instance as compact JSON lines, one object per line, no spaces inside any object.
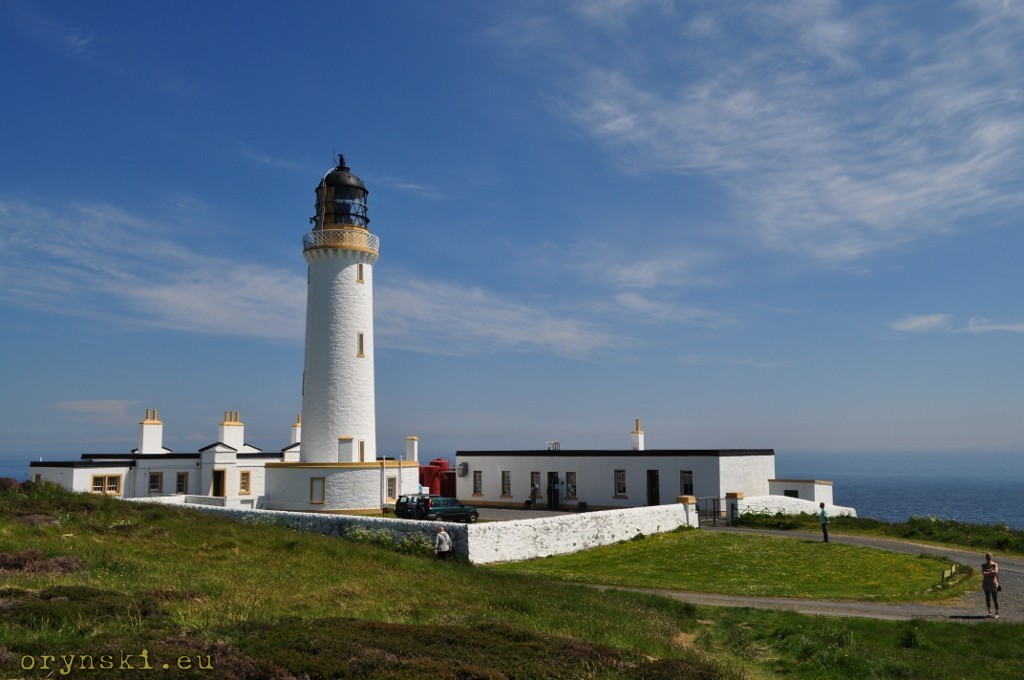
{"x":359,"y":239}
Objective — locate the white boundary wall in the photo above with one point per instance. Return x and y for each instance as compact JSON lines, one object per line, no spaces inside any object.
{"x":787,"y":506}
{"x":526,"y":539}
{"x":490,"y":542}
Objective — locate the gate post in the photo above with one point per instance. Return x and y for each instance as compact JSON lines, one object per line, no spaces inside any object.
{"x":692,"y":517}
{"x":732,"y":501}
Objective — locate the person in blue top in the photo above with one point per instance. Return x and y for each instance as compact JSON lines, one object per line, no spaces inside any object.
{"x":823,"y":517}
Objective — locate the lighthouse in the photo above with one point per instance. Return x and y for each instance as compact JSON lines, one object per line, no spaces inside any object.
{"x":338,"y":413}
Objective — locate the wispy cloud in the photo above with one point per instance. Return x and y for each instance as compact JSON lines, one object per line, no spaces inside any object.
{"x":76,"y":41}
{"x":920,"y":324}
{"x":262,"y":158}
{"x":441,"y":318}
{"x":840,"y":132}
{"x":101,"y":410}
{"x":944,"y":322}
{"x":977,"y":325}
{"x":100,"y":262}
{"x":415,"y":188}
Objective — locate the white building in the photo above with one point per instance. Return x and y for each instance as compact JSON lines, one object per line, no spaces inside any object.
{"x":554,"y":478}
{"x":333,"y":464}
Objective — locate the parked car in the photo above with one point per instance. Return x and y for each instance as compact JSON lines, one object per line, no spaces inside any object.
{"x":450,"y":509}
{"x":431,"y":506}
{"x":413,"y":505}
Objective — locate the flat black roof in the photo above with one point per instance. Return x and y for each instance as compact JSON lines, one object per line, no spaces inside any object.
{"x":604,"y":453}
{"x":81,"y":463}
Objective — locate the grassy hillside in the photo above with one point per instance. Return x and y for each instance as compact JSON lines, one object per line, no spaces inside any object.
{"x":93,"y":580}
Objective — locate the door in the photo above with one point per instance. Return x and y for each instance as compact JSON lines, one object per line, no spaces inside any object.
{"x":218,"y":483}
{"x":553,"y":500}
{"x":653,"y":498}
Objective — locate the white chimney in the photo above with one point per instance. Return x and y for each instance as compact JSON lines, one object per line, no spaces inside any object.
{"x":232,"y":431}
{"x":151,"y":434}
{"x":297,"y":430}
{"x":412,"y":448}
{"x":638,"y":437}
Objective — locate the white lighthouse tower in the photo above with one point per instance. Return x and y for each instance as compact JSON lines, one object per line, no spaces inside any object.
{"x":338,"y":414}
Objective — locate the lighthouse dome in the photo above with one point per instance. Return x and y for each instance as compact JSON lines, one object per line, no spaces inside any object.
{"x":341,"y":176}
{"x":341,"y":199}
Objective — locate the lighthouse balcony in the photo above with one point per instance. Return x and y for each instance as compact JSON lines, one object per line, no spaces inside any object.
{"x":354,"y":239}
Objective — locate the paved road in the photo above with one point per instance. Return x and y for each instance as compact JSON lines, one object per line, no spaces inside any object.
{"x":971,"y":608}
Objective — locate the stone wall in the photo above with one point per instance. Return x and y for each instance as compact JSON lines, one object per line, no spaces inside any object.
{"x":493,"y":541}
{"x":561,"y":534}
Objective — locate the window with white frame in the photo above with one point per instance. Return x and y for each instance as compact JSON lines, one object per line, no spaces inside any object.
{"x":478,"y":483}
{"x":535,"y":483}
{"x":620,"y":482}
{"x":244,"y":483}
{"x":506,"y":483}
{"x":156,"y":482}
{"x":181,"y":483}
{"x":392,"y":488}
{"x":686,"y":482}
{"x":570,"y":485}
{"x":107,"y":484}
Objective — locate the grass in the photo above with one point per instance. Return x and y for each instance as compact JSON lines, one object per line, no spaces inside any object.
{"x":995,"y":538}
{"x":267,"y":602}
{"x":755,"y":566}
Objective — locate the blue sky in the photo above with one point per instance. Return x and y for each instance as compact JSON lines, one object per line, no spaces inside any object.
{"x":791,"y":225}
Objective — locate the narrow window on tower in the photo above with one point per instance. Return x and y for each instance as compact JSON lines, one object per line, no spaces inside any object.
{"x":362,"y":450}
{"x":317,"y":490}
{"x":360,"y":345}
{"x":359,"y":273}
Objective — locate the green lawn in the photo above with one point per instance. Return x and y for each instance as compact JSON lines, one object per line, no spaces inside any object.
{"x":753,"y":565}
{"x":266,"y":602}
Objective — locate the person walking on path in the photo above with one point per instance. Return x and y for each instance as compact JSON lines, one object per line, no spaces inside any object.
{"x":990,"y":584}
{"x":823,"y":517}
{"x":442,"y":544}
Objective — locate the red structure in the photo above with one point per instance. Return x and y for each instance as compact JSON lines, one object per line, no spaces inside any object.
{"x":438,"y":477}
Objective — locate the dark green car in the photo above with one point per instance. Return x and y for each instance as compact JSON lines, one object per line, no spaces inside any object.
{"x":449,"y":510}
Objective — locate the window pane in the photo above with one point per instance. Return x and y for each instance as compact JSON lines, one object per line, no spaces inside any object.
{"x":686,"y":482}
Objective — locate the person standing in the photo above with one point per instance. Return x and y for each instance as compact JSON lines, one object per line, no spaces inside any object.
{"x":442,"y":544}
{"x":990,"y":584}
{"x":823,"y":518}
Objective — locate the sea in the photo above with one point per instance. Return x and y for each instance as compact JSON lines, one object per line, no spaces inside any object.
{"x":975,"y":487}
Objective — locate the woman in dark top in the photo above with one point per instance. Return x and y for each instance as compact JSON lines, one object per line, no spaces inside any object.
{"x":990,"y":584}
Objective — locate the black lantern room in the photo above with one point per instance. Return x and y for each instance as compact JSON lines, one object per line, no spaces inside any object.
{"x":341,"y":200}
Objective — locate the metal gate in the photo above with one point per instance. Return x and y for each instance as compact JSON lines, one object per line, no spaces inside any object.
{"x":709,"y":511}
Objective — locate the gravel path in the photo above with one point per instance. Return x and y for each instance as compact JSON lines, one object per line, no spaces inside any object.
{"x":971,"y":608}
